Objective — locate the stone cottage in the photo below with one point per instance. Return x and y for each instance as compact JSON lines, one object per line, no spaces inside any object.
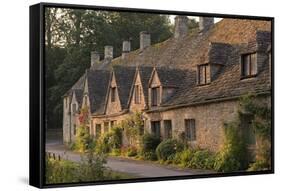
{"x":186,"y":86}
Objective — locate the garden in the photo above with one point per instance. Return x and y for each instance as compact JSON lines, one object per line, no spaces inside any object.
{"x":233,"y":157}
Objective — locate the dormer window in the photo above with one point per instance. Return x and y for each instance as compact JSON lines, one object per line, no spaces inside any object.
{"x":137,"y":94}
{"x":113,"y":94}
{"x":86,"y":100}
{"x":74,"y":109}
{"x":203,"y":74}
{"x":155,"y":96}
{"x":249,"y":65}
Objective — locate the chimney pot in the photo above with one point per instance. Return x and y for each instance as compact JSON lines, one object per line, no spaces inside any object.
{"x":95,"y":58}
{"x":126,"y":48}
{"x":205,"y":23}
{"x":108,"y":52}
{"x":181,"y":26}
{"x":145,"y":40}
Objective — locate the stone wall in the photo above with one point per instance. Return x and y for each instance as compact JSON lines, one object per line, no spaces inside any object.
{"x":209,"y":119}
{"x":66,"y":120}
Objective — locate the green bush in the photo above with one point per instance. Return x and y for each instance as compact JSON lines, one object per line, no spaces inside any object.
{"x":183,"y":158}
{"x":102,"y":145}
{"x":115,"y":140}
{"x":149,"y":155}
{"x":233,"y":156}
{"x":91,"y":168}
{"x":148,"y":147}
{"x":202,"y":159}
{"x":109,"y":141}
{"x":259,"y":165}
{"x":116,"y":152}
{"x":83,"y":139}
{"x":167,"y":149}
{"x":132,"y":151}
{"x":60,"y":171}
{"x":129,"y":151}
{"x":149,"y":142}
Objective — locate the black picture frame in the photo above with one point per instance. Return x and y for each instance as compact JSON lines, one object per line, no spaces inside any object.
{"x":38,"y":94}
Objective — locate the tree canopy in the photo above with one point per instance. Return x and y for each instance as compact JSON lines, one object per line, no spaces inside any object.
{"x":70,"y":36}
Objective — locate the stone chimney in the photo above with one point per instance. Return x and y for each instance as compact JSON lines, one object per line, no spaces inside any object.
{"x":205,"y":23}
{"x":108,"y":52}
{"x":181,"y":26}
{"x":145,"y":40}
{"x":95,"y":58}
{"x":126,"y":48}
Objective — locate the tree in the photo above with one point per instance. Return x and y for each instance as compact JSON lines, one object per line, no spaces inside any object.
{"x":71,"y":34}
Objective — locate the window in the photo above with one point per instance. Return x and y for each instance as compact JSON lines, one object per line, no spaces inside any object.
{"x":203,"y":74}
{"x":74,"y":129}
{"x":98,"y":130}
{"x":113,"y":94}
{"x":105,"y":127}
{"x":155,"y":128}
{"x":92,"y":127}
{"x":137,"y":94}
{"x":86,"y":100}
{"x":74,"y":108}
{"x":167,"y":129}
{"x":190,"y":131}
{"x":141,"y":130}
{"x":155,"y":96}
{"x":249,"y":65}
{"x":112,"y":123}
{"x":247,"y":129}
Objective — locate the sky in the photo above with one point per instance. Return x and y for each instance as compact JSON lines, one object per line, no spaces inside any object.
{"x":172,"y":18}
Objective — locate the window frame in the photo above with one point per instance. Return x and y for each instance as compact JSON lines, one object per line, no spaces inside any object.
{"x":97,"y":126}
{"x":74,"y":111}
{"x":155,"y":96}
{"x":113,"y":94}
{"x":137,"y":94}
{"x":86,"y":100}
{"x":251,"y":64}
{"x":168,"y":133}
{"x":156,"y":130}
{"x":205,"y":81}
{"x":190,"y":130}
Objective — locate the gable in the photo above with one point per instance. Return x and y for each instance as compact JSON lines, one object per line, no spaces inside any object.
{"x":154,"y":81}
{"x":113,"y":106}
{"x":132,"y":102}
{"x":86,"y":87}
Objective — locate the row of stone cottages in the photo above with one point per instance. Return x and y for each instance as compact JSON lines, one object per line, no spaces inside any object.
{"x":188,"y":85}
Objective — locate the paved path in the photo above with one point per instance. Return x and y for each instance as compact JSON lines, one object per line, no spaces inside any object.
{"x":130,"y":166}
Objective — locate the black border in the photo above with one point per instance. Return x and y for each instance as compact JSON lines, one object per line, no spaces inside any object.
{"x":38,"y":105}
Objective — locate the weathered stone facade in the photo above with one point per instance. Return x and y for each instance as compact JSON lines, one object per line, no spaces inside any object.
{"x":198,"y":78}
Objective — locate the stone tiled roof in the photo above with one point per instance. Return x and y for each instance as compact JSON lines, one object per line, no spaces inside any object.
{"x":145,"y":73}
{"x":227,"y":84}
{"x":193,"y":48}
{"x":171,"y":77}
{"x":97,"y":84}
{"x":79,"y":85}
{"x":176,"y":63}
{"x":79,"y":96}
{"x":124,"y":79}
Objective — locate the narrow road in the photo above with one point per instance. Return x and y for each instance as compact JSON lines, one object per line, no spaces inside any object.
{"x":130,"y":166}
